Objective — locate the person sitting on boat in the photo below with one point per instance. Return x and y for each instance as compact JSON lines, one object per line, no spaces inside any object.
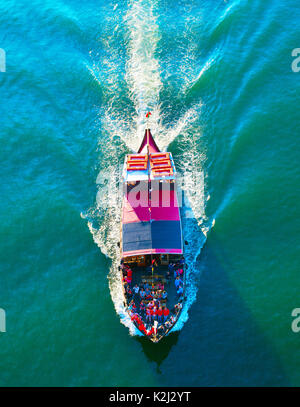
{"x":164,"y":295}
{"x":151,"y":303}
{"x":180,"y":272}
{"x":171,"y":267}
{"x":132,"y":306}
{"x":161,"y":286}
{"x":147,"y":294}
{"x":161,"y":329}
{"x":128,"y":291}
{"x":159,"y":314}
{"x":178,"y":282}
{"x":178,"y":307}
{"x":180,"y":291}
{"x":166,"y":313}
{"x":136,"y":290}
{"x":153,"y":312}
{"x":142,"y":308}
{"x":170,"y":322}
{"x":129,"y":273}
{"x":142,"y":328}
{"x":151,"y":331}
{"x":142,"y":293}
{"x":146,"y":285}
{"x":136,"y":318}
{"x":148,"y":315}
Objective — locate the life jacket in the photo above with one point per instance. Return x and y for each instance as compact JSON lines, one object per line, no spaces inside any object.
{"x":142,"y":328}
{"x":159,"y":312}
{"x":148,"y":311}
{"x":166,"y":312}
{"x":151,"y":332}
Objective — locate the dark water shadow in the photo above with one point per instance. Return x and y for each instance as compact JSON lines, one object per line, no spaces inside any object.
{"x":221,"y":344}
{"x":194,"y":237}
{"x":158,"y":352}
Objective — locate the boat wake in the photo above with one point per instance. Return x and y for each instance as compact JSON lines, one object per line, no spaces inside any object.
{"x":130,"y":77}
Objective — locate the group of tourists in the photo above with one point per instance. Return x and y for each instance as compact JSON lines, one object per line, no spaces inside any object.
{"x":147,"y":303}
{"x":177,"y":270}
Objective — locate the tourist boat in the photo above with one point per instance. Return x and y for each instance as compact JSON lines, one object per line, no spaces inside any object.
{"x":151,"y":241}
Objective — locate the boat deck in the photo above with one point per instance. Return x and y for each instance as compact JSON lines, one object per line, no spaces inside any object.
{"x":141,"y":276}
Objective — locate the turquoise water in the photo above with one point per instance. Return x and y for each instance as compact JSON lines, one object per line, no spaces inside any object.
{"x":217,"y":77}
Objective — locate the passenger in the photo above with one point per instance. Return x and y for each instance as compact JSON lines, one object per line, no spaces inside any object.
{"x":180,"y":290}
{"x":172,"y":319}
{"x":164,"y":295}
{"x":146,"y":285}
{"x":148,"y":315}
{"x":153,"y":313}
{"x":161,"y":286}
{"x":142,"y":293}
{"x":151,"y":332}
{"x":166,"y":313}
{"x":142,"y":308}
{"x":154,"y":263}
{"x":178,"y":282}
{"x":171,"y":267}
{"x":132,"y":306}
{"x":136,"y":290}
{"x":142,"y":328}
{"x":159,"y":313}
{"x":168,"y":276}
{"x":136,"y":318}
{"x":129,"y":292}
{"x":180,"y":271}
{"x":178,"y":307}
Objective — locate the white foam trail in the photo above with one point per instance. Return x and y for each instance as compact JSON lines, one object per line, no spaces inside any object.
{"x":142,"y":68}
{"x":126,"y":123}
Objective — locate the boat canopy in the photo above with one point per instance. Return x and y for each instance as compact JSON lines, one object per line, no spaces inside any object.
{"x":151,"y":219}
{"x":151,"y":227}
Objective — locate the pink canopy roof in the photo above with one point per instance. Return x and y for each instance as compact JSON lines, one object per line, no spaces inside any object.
{"x":164,"y":206}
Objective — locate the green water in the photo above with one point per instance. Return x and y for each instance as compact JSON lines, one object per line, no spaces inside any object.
{"x":217,"y":77}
